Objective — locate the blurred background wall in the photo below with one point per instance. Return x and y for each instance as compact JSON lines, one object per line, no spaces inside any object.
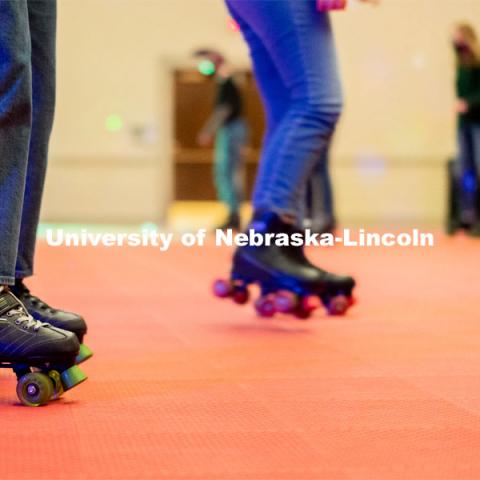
{"x":111,"y":152}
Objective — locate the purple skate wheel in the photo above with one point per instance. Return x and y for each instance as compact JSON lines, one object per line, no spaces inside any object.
{"x":222,"y":288}
{"x":285,"y":302}
{"x":265,"y":307}
{"x":338,"y":305}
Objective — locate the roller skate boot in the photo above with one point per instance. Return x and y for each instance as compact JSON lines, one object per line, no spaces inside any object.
{"x":289,"y":283}
{"x":43,"y":312}
{"x":42,"y":356}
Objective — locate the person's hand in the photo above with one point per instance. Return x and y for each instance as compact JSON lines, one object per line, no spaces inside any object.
{"x":461,"y":106}
{"x":204,"y":139}
{"x":327,"y":5}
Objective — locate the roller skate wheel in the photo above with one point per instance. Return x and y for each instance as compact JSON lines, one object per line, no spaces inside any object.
{"x":338,"y":305}
{"x":305,"y":307}
{"x":72,"y":377}
{"x":240,"y":295}
{"x":222,"y":288}
{"x":56,"y":379}
{"x":285,"y":302}
{"x":265,"y":307}
{"x":83,"y":354}
{"x":34,"y":389}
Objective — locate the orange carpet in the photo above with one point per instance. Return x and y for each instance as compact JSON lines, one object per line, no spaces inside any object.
{"x":186,"y":386}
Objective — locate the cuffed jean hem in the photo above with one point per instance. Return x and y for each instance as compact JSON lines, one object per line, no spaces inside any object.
{"x":7,"y":280}
{"x":23,"y":274}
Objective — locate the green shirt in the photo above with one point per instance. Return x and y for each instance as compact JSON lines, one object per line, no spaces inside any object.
{"x":468,"y":89}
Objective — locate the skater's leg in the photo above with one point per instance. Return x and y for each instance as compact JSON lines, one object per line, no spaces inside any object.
{"x":274,"y":94}
{"x":224,"y":176}
{"x":320,"y":201}
{"x":42,"y":26}
{"x":300,"y":43}
{"x":235,"y":171}
{"x":468,"y":181}
{"x":42,"y":21}
{"x":476,"y":155}
{"x":15,"y":123}
{"x":229,"y":170}
{"x":476,"y":150}
{"x":280,"y":36}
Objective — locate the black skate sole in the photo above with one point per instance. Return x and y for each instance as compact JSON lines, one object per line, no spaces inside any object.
{"x":281,"y":293}
{"x":63,"y":361}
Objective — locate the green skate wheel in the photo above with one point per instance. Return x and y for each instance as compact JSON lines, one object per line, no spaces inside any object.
{"x":58,"y":389}
{"x":72,"y":377}
{"x":34,"y":389}
{"x":83,"y":354}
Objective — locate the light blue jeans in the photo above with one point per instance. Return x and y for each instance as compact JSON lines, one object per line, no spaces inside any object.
{"x":229,"y":142}
{"x":27,"y":102}
{"x":469,"y":164}
{"x":294,"y":58}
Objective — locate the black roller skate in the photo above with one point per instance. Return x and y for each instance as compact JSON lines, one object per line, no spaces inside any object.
{"x":289,"y":283}
{"x":43,"y":312}
{"x":42,"y":356}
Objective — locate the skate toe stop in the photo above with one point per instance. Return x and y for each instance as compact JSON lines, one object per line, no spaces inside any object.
{"x":83,"y":354}
{"x":72,"y":377}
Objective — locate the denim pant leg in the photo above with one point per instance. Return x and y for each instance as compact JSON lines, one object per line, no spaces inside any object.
{"x":15,"y":124}
{"x":238,"y":138}
{"x":300,"y":43}
{"x":476,"y":154}
{"x":42,"y":19}
{"x":228,"y":164}
{"x":468,"y":174}
{"x":476,"y":148}
{"x":321,"y":209}
{"x":273,"y":92}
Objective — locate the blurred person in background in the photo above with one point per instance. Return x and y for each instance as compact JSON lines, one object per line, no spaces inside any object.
{"x":27,"y":104}
{"x":467,"y":51}
{"x":227,"y":129}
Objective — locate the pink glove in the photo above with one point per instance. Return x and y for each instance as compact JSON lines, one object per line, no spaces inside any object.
{"x":327,"y":5}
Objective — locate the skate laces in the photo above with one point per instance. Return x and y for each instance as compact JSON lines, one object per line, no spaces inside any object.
{"x":24,"y":320}
{"x":25,"y":292}
{"x":39,"y":303}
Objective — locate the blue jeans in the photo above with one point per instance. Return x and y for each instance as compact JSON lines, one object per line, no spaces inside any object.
{"x":294,"y":59}
{"x":469,"y":163}
{"x":229,"y":141}
{"x":27,"y":100}
{"x":320,"y":208}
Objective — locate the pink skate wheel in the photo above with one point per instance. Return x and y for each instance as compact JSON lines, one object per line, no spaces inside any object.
{"x":222,"y":288}
{"x":310,"y":303}
{"x":240,"y":295}
{"x":285,"y":301}
{"x":265,"y":307}
{"x":302,"y":313}
{"x":338,"y":305}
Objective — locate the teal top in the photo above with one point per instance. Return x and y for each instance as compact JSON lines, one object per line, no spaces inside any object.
{"x":468,"y":89}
